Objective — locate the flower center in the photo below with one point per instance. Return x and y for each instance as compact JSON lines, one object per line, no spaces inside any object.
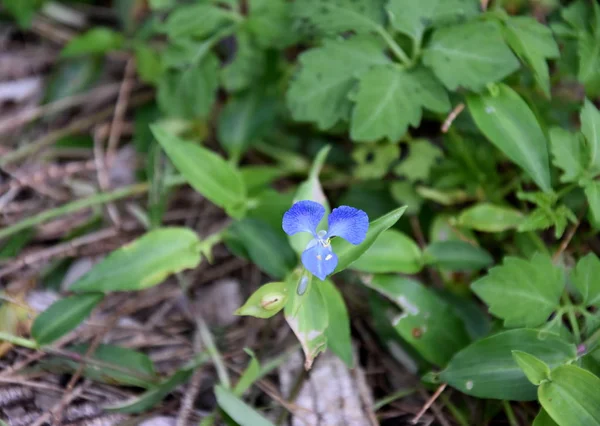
{"x":325,"y":242}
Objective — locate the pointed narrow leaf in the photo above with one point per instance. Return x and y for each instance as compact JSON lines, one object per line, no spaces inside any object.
{"x":338,"y":329}
{"x":348,"y":253}
{"x":249,"y":376}
{"x":205,"y":171}
{"x":543,"y":419}
{"x":238,"y":410}
{"x":569,"y":154}
{"x":592,"y":193}
{"x":144,"y":262}
{"x":507,"y":121}
{"x":590,"y":127}
{"x":63,"y":316}
{"x":392,"y":251}
{"x":571,"y":396}
{"x":535,"y":369}
{"x":487,"y":369}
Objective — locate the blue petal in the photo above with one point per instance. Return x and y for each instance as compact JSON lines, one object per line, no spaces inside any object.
{"x":319,"y":260}
{"x":349,"y":223}
{"x":304,"y":216}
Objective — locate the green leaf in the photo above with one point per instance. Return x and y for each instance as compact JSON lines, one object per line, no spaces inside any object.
{"x":459,"y":59}
{"x":270,"y":21}
{"x":311,"y":189}
{"x":592,"y":193}
{"x":522,"y":292}
{"x":569,"y":153}
{"x":243,"y":120}
{"x":156,"y":394}
{"x":144,"y":262}
{"x":589,"y":63}
{"x":427,"y":322}
{"x":269,"y":250}
{"x":265,"y":302}
{"x":308,"y":318}
{"x":197,"y":20}
{"x":338,"y":328}
{"x":374,"y":160}
{"x":586,"y":278}
{"x":590,"y":127}
{"x":422,"y":156}
{"x":238,"y":410}
{"x":535,"y":369}
{"x":336,"y":16}
{"x":543,"y":419}
{"x":249,"y":376}
{"x":141,"y":366}
{"x":22,"y":10}
{"x":533,"y":43}
{"x":148,"y":64}
{"x":392,"y":251}
{"x":507,"y":121}
{"x":63,"y":316}
{"x":414,"y":17}
{"x":389,"y":99}
{"x":217,"y":180}
{"x":348,"y":253}
{"x":257,"y":178}
{"x":98,"y":40}
{"x":571,"y":396}
{"x":486,"y":217}
{"x":487,"y":369}
{"x":319,"y":91}
{"x":246,"y":67}
{"x":191,"y":92}
{"x":457,"y":256}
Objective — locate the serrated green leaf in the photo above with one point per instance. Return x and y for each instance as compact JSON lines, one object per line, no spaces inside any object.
{"x":265,"y":302}
{"x":486,"y":217}
{"x":196,"y":20}
{"x":337,"y":16}
{"x":422,"y":156}
{"x":427,"y":322}
{"x":98,"y":40}
{"x":486,"y":368}
{"x":348,"y":253}
{"x":144,"y":262}
{"x":571,"y":396}
{"x":458,"y":58}
{"x":533,"y":43}
{"x":392,"y":251}
{"x":308,"y":318}
{"x":586,"y":278}
{"x":590,"y":127}
{"x":270,"y":21}
{"x":244,"y":119}
{"x":592,"y":193}
{"x":268,"y":249}
{"x":238,"y":410}
{"x":216,"y":179}
{"x":389,"y":99}
{"x":338,"y":328}
{"x":189,"y":93}
{"x":457,"y":256}
{"x":319,"y":91}
{"x":374,"y":160}
{"x":589,"y":63}
{"x":569,"y":154}
{"x":63,"y":316}
{"x":508,"y":122}
{"x":534,"y":368}
{"x":522,"y":292}
{"x":414,"y":17}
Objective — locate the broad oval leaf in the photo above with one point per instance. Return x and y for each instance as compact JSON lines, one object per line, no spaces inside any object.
{"x":585,"y":277}
{"x":571,"y":396}
{"x":205,"y":171}
{"x":348,"y":253}
{"x":457,"y":256}
{"x":144,"y":262}
{"x":427,"y":322}
{"x":265,"y":302}
{"x":486,"y":217}
{"x":393,"y":251}
{"x":487,"y":369}
{"x":63,"y":316}
{"x":238,"y":410}
{"x":338,"y":328}
{"x":508,"y":122}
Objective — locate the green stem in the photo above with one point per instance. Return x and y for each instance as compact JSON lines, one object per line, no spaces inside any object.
{"x":93,"y":200}
{"x":566,"y":190}
{"x":394,"y":47}
{"x":571,"y":316}
{"x":590,"y":344}
{"x":19,"y":341}
{"x":510,"y":414}
{"x":402,"y":393}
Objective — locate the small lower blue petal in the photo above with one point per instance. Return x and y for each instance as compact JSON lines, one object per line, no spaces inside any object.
{"x":320,"y":261}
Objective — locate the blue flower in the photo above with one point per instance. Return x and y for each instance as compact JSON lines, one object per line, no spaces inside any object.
{"x":346,"y":222}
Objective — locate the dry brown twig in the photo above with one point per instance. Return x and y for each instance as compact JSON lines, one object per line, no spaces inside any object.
{"x":452,"y":116}
{"x":429,"y":403}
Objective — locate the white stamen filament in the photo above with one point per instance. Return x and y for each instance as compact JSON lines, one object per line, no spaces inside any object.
{"x":328,"y":257}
